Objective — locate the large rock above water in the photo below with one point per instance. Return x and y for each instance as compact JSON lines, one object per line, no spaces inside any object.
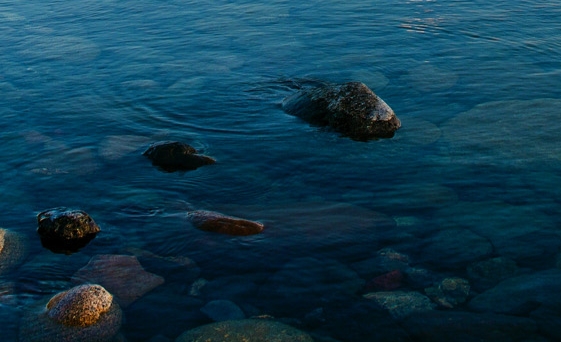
{"x":65,"y":231}
{"x":350,"y":108}
{"x":83,"y":313}
{"x":176,"y":156}
{"x":249,"y":330}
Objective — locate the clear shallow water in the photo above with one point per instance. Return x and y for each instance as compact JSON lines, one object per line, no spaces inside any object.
{"x":86,"y":86}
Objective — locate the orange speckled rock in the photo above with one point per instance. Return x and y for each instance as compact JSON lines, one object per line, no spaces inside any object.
{"x":80,"y":306}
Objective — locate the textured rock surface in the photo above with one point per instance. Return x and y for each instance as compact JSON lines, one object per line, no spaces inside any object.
{"x":176,"y":156}
{"x":488,"y":273}
{"x":248,"y":330}
{"x":12,"y":250}
{"x":219,"y":223}
{"x":80,"y":306}
{"x":351,"y":108}
{"x":450,"y":292}
{"x":401,"y":304}
{"x":83,"y":313}
{"x":65,"y":230}
{"x":122,"y":275}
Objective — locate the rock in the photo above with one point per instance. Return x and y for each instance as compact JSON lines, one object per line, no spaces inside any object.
{"x":501,"y":138}
{"x":386,"y":260}
{"x":488,"y":273}
{"x":351,"y":109}
{"x":122,"y":275}
{"x":249,"y":330}
{"x":80,"y":306}
{"x":304,"y":284}
{"x":65,"y":231}
{"x":219,"y":223}
{"x":12,"y":250}
{"x":455,"y":248}
{"x":401,"y":304}
{"x":176,"y":156}
{"x":83,"y":313}
{"x":519,"y":232}
{"x":385,"y":282}
{"x":522,"y":294}
{"x":222,"y":310}
{"x":449,"y":292}
{"x":445,"y":326}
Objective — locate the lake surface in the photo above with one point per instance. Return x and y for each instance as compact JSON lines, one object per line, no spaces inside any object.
{"x":472,"y":176}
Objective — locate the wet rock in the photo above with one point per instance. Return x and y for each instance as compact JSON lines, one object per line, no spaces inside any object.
{"x":83,"y":313}
{"x":122,"y":275}
{"x":488,"y":273}
{"x":64,"y":230}
{"x":351,"y":108}
{"x":176,"y":156}
{"x":250,"y":330}
{"x":219,"y":223}
{"x":522,"y":294}
{"x":222,"y":310}
{"x":445,"y":326}
{"x":401,"y":304}
{"x":12,"y":250}
{"x":449,"y":293}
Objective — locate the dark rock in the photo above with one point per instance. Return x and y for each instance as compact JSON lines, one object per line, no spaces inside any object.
{"x":488,"y":273}
{"x":522,"y":294}
{"x":65,"y":231}
{"x":385,"y":282}
{"x":251,"y":330}
{"x":449,"y":293}
{"x":304,"y":284}
{"x":219,"y":223}
{"x":222,"y":310}
{"x":445,"y":326}
{"x":176,"y":156}
{"x":455,"y":249}
{"x":351,"y":108}
{"x":401,"y":304}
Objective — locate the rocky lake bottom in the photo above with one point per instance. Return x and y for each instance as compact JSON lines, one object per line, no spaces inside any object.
{"x":449,"y":230}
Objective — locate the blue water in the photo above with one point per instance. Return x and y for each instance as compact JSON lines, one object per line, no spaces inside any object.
{"x":86,"y":86}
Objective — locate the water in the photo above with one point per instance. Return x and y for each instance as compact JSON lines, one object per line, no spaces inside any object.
{"x":86,"y":86}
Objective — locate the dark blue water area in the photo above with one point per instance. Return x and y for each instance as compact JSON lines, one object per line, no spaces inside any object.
{"x":468,"y":187}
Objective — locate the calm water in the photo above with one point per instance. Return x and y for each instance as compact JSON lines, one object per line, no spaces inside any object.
{"x":87,"y":85}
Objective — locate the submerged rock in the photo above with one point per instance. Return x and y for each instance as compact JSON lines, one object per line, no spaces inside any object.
{"x":401,"y":304}
{"x":65,"y":231}
{"x":176,"y":156}
{"x":83,"y":313}
{"x":450,"y":292}
{"x":215,"y":222}
{"x":249,"y":330}
{"x":222,"y":310}
{"x":351,"y":108}
{"x":121,"y":274}
{"x":12,"y":250}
